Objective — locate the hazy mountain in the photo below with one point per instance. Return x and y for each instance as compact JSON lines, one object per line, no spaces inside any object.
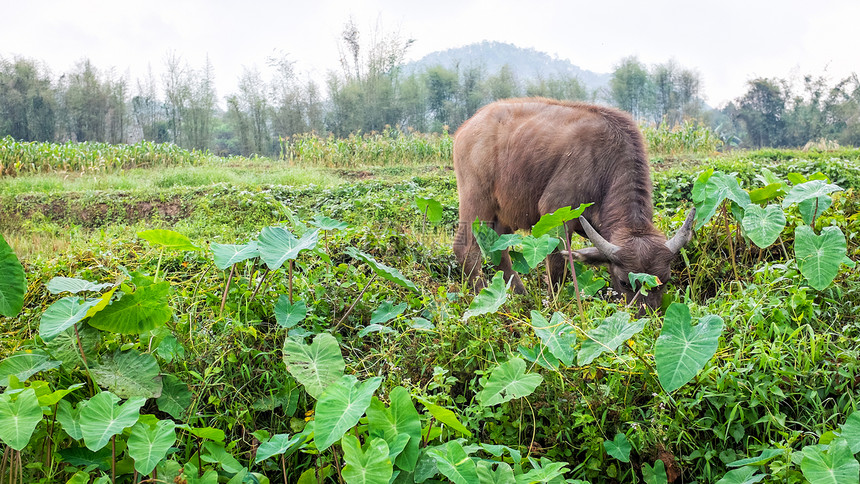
{"x":526,"y":63}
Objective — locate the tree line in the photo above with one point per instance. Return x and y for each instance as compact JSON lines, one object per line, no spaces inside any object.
{"x":372,"y":90}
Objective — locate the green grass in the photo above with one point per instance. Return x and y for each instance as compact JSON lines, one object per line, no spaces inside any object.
{"x":785,"y":372}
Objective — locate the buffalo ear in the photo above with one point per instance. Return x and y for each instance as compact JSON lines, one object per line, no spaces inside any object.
{"x":590,"y":255}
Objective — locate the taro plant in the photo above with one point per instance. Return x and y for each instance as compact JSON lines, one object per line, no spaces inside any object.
{"x":818,"y":255}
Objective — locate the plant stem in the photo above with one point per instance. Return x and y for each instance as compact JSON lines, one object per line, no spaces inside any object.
{"x":573,"y":273}
{"x":226,"y":290}
{"x":343,"y":318}
{"x":291,"y":281}
{"x":259,"y":284}
{"x":284,"y":468}
{"x":729,"y":237}
{"x":158,"y":266}
{"x":113,"y":459}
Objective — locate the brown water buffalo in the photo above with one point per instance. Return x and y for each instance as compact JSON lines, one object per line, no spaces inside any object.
{"x":518,"y":159}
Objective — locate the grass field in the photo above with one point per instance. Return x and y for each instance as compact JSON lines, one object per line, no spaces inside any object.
{"x":357,"y":351}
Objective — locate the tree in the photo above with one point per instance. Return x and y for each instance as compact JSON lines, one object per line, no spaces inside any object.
{"x":27,"y":101}
{"x":503,"y":84}
{"x":762,"y":111}
{"x":85,"y":103}
{"x":630,"y":88}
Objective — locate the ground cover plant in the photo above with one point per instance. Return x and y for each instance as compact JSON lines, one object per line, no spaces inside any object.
{"x":276,"y":333}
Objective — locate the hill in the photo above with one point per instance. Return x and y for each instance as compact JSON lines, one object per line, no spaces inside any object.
{"x":526,"y":63}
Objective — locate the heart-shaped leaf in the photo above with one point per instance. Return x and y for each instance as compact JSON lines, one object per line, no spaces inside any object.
{"x":168,"y":239}
{"x":608,"y":336}
{"x":138,"y":312}
{"x":490,"y":299}
{"x":19,"y":415}
{"x":366,"y":466}
{"x":763,"y":225}
{"x":744,"y":475}
{"x":340,"y":407}
{"x":619,"y":447}
{"x":558,"y":336}
{"x":432,"y":209}
{"x":400,"y":418}
{"x":278,"y":245}
{"x":175,"y":398}
{"x":808,"y":191}
{"x":62,"y":315}
{"x":454,"y":463}
{"x":25,"y":364}
{"x":129,"y":374}
{"x":709,"y":191}
{"x":279,"y":444}
{"x":288,"y":314}
{"x":819,"y":256}
{"x":102,"y":418}
{"x":148,"y":445}
{"x":316,"y":366}
{"x":225,"y":255}
{"x":325,"y":223}
{"x":551,"y":221}
{"x":535,"y":249}
{"x":386,"y":312}
{"x":508,"y":381}
{"x":683,"y":349}
{"x":837,"y":465}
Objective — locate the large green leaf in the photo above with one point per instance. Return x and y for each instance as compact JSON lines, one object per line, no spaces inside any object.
{"x":400,"y":418}
{"x":74,"y":285}
{"x":370,"y":465}
{"x":70,"y":418}
{"x":317,"y":365}
{"x":763,"y":225}
{"x":851,"y":432}
{"x":744,"y":475}
{"x":709,"y":191}
{"x":656,"y":474}
{"x":535,"y":249}
{"x":287,"y":314}
{"x":128,"y":374}
{"x":490,"y":299}
{"x":326,"y":223}
{"x":386,"y":312}
{"x":543,"y":471}
{"x":13,"y":284}
{"x":558,"y":336}
{"x":138,"y":312}
{"x":388,"y":273}
{"x":683,"y":349}
{"x":216,"y":453}
{"x":619,"y":447}
{"x":168,"y":239}
{"x":25,"y":364}
{"x":102,"y":418}
{"x":19,"y":415}
{"x":148,"y":445}
{"x":454,"y":463}
{"x":225,"y":255}
{"x":502,"y":475}
{"x":837,"y":465}
{"x":278,"y":245}
{"x":549,"y":222}
{"x":339,"y":408}
{"x":809,"y":191}
{"x":175,"y":398}
{"x":432,"y":209}
{"x":279,"y":444}
{"x":608,"y":336}
{"x":761,"y":459}
{"x":62,"y":315}
{"x":508,"y":381}
{"x":819,"y":256}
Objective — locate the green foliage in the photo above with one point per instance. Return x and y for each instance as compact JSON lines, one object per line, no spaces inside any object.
{"x":683,"y":349}
{"x":12,"y":281}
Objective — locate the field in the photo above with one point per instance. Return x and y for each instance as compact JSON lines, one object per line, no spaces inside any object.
{"x":186,"y":318}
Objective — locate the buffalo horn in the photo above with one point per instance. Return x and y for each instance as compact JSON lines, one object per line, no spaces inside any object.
{"x":606,"y":247}
{"x":683,"y":235}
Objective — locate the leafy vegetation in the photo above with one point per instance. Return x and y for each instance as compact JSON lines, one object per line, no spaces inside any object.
{"x":324,"y":333}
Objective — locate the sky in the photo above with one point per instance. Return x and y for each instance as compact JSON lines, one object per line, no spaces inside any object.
{"x":729,"y":42}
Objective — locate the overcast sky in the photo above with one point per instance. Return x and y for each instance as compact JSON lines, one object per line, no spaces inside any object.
{"x":728,"y":42}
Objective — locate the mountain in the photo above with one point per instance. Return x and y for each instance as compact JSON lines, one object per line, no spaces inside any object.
{"x":526,"y":63}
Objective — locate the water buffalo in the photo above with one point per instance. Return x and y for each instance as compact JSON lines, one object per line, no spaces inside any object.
{"x":518,"y":159}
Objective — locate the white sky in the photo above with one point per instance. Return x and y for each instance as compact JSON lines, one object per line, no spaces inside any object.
{"x":728,"y":42}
